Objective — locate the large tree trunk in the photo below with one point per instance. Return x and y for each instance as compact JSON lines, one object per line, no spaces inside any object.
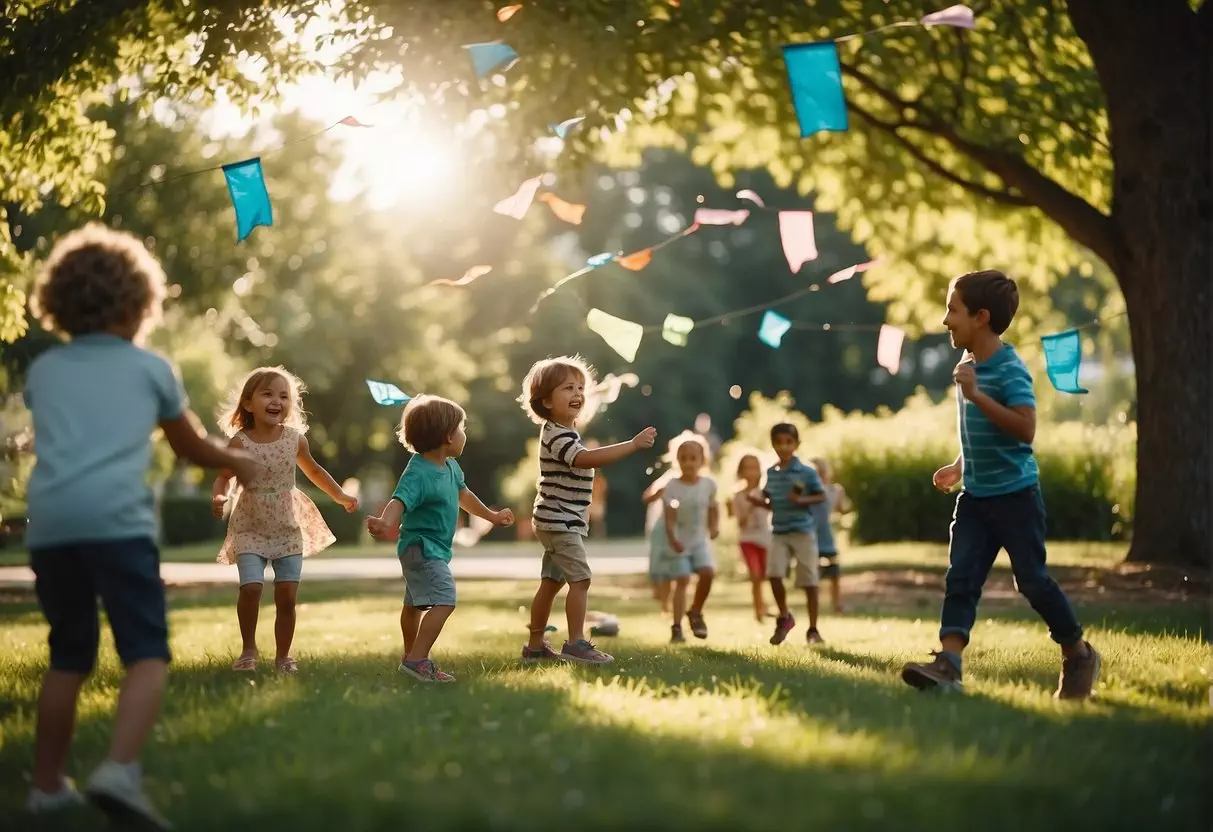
{"x":1153,"y":58}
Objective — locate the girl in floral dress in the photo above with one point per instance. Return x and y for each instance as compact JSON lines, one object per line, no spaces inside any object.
{"x":271,"y":521}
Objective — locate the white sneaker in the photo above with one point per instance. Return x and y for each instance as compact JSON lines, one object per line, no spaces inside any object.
{"x":117,"y":791}
{"x":40,"y":802}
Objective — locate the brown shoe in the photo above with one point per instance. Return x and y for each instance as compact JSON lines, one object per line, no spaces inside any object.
{"x":939,"y":674}
{"x":1078,"y":676}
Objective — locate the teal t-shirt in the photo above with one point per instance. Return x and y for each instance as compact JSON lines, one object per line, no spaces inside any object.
{"x":430,"y":495}
{"x":996,"y":463}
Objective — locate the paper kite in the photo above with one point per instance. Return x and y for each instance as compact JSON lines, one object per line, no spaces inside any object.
{"x":490,"y":57}
{"x":816,"y":80}
{"x":246,"y":185}
{"x":772,"y":329}
{"x":468,"y":277}
{"x":960,"y":16}
{"x":599,"y":259}
{"x":799,"y":241}
{"x":517,"y":204}
{"x":676,"y":328}
{"x":621,"y":336}
{"x":1063,"y":357}
{"x":570,"y":212}
{"x":888,"y":348}
{"x":851,"y":271}
{"x":721,"y":216}
{"x":387,"y":394}
{"x":752,"y":197}
{"x":506,"y":12}
{"x":637,"y":260}
{"x":564,"y":128}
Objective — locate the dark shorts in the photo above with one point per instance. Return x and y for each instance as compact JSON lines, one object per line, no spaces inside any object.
{"x":125,"y":575}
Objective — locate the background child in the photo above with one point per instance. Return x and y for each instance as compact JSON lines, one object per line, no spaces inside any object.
{"x":429,"y":495}
{"x":692,"y":518}
{"x":272,"y":521}
{"x":659,"y":547}
{"x":754,"y":528}
{"x":553,"y":395}
{"x":792,"y":488}
{"x":1000,"y":506}
{"x":92,"y":522}
{"x":836,"y":502}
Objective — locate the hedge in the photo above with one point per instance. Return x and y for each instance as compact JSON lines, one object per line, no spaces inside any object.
{"x":185,"y":520}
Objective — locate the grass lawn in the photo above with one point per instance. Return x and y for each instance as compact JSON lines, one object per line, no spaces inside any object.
{"x":726,"y":734}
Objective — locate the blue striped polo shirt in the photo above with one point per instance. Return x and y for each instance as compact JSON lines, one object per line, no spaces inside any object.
{"x":786,"y":516}
{"x":996,"y":463}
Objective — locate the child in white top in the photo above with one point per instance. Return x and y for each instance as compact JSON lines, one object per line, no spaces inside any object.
{"x":692,"y":519}
{"x":754,"y":528}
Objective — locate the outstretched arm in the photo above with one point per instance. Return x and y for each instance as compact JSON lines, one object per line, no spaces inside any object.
{"x":321,"y":478}
{"x":599,"y":457}
{"x":470,"y":503}
{"x":387,"y":525}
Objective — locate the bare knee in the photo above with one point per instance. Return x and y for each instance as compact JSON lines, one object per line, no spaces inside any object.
{"x":285,"y":595}
{"x":683,"y":582}
{"x":250,"y":592}
{"x":707,"y":573}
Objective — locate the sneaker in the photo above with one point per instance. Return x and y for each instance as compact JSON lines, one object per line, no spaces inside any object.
{"x":544,"y":654}
{"x":425,"y":671}
{"x":116,"y":790}
{"x":698,"y":626}
{"x":40,"y":802}
{"x":584,"y":652}
{"x":783,"y":626}
{"x":676,"y":636}
{"x":814,"y":637}
{"x":938,"y":674}
{"x":1078,"y":676}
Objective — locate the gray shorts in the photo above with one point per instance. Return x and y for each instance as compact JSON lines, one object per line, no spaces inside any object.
{"x":694,"y":558}
{"x":564,"y":557}
{"x":251,"y":568}
{"x":798,"y":546}
{"x":427,"y":582}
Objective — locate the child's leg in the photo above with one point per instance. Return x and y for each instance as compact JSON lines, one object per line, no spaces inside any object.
{"x":663,"y":593}
{"x":564,"y":558}
{"x":971,"y":553}
{"x":780,"y":595}
{"x":835,"y":593}
{"x":541,"y":610}
{"x":432,"y":623}
{"x":812,"y":603}
{"x":679,"y":598}
{"x":287,"y":572}
{"x":703,"y":588}
{"x":138,"y":708}
{"x":575,"y":605}
{"x":808,"y":573}
{"x":410,"y":620}
{"x":248,"y":602}
{"x":760,"y":607}
{"x":55,"y":727}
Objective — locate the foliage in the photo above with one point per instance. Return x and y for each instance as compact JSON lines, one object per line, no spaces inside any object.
{"x":187,"y":519}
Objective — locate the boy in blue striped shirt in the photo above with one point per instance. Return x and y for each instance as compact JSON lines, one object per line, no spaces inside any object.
{"x":1000,"y":505}
{"x":791,"y":489}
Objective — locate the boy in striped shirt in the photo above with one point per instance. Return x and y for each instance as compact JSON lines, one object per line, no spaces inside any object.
{"x":1000,"y":505}
{"x":553,"y":395}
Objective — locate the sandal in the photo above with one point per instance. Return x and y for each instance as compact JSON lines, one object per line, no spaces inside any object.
{"x":287,"y":665}
{"x":247,"y":662}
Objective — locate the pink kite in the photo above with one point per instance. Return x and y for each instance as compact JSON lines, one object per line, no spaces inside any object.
{"x":888,"y":348}
{"x":516,"y":206}
{"x":851,"y":271}
{"x":799,"y":242}
{"x":959,"y":15}
{"x":350,"y":121}
{"x":752,"y":197}
{"x":505,"y":13}
{"x":468,"y":276}
{"x":721,"y":216}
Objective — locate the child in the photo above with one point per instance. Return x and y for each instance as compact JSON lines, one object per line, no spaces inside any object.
{"x":92,"y":521}
{"x":272,"y":521}
{"x":553,"y":394}
{"x":691,"y":519}
{"x":659,"y":547}
{"x":1000,"y":505}
{"x":792,"y":489}
{"x":836,"y":502}
{"x":429,"y":495}
{"x":754,"y":528}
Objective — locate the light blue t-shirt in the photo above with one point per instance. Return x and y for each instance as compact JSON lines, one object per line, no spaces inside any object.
{"x":788,"y":517}
{"x":95,"y":403}
{"x":996,"y":463}
{"x":430,"y":495}
{"x":691,"y":504}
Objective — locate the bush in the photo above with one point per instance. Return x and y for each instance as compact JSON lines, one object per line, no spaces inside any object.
{"x":187,"y":519}
{"x":348,"y":527}
{"x":885,"y":462}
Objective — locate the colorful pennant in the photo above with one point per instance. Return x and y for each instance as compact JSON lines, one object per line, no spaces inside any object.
{"x":246,"y":185}
{"x":621,"y":336}
{"x":599,"y":259}
{"x":799,"y":241}
{"x":564,"y":128}
{"x":851,"y":271}
{"x":517,"y":204}
{"x":1063,"y":357}
{"x":888,"y":348}
{"x":676,"y":328}
{"x":772,"y":329}
{"x":721,"y":216}
{"x":490,"y":57}
{"x":506,"y":12}
{"x":387,"y":394}
{"x":637,"y":260}
{"x":350,"y":121}
{"x":752,"y":197}
{"x":816,"y":81}
{"x":469,"y":276}
{"x":570,"y":212}
{"x":960,"y":16}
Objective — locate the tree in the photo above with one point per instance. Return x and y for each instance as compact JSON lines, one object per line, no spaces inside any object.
{"x":1054,"y":134}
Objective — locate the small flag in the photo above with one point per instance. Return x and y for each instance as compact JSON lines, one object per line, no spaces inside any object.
{"x":888,"y":348}
{"x":959,"y":15}
{"x":816,"y":81}
{"x":851,"y":271}
{"x":799,"y":241}
{"x":350,"y":121}
{"x":676,"y":329}
{"x":721,"y":216}
{"x":386,"y":393}
{"x":1063,"y":357}
{"x":516,"y":205}
{"x":470,"y":275}
{"x":246,"y":185}
{"x":752,"y":197}
{"x":506,"y":12}
{"x":490,"y":57}
{"x":637,"y":260}
{"x":570,"y":212}
{"x":621,"y":336}
{"x":599,"y":259}
{"x":567,"y":126}
{"x":772,"y":329}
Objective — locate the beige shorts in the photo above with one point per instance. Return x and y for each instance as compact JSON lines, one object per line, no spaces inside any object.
{"x":798,"y":546}
{"x":563,"y":556}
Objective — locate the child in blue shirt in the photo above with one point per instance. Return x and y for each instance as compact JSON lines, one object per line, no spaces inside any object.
{"x":1000,"y":505}
{"x":96,"y":401}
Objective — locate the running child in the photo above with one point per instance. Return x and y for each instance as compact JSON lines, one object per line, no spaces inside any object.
{"x":272,"y":522}
{"x":659,"y":547}
{"x":92,"y":520}
{"x":754,"y":528}
{"x":429,"y":495}
{"x":692,"y":519}
{"x":836,"y":502}
{"x":553,"y":394}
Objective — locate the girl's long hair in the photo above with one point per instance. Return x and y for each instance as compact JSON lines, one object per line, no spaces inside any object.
{"x":233,"y":417}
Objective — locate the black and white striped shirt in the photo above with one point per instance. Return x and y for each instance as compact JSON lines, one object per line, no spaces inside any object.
{"x":562,"y":499}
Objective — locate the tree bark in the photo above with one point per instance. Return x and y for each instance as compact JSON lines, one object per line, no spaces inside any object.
{"x":1153,"y":61}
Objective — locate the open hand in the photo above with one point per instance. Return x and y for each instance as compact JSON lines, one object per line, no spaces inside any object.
{"x":965,"y":376}
{"x":505,"y":517}
{"x":645,"y":438}
{"x":349,"y":501}
{"x":218,"y":501}
{"x":945,"y":478}
{"x":380,"y":529}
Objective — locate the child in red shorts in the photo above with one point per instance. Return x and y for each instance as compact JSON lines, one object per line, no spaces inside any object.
{"x":754,"y":526}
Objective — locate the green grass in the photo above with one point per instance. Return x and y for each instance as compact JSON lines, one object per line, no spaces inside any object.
{"x":725,"y":734}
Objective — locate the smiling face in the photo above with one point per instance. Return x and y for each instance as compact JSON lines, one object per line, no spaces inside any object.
{"x":785,"y":445}
{"x":566,"y":401}
{"x":690,"y":458}
{"x":270,"y":403}
{"x":961,"y":323}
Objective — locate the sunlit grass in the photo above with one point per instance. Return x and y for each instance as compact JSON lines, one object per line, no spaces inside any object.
{"x":730,"y":733}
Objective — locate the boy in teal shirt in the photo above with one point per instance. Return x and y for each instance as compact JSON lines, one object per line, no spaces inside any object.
{"x":429,"y":495}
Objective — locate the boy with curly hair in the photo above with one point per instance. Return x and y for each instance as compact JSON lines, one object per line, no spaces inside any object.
{"x":92,"y":528}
